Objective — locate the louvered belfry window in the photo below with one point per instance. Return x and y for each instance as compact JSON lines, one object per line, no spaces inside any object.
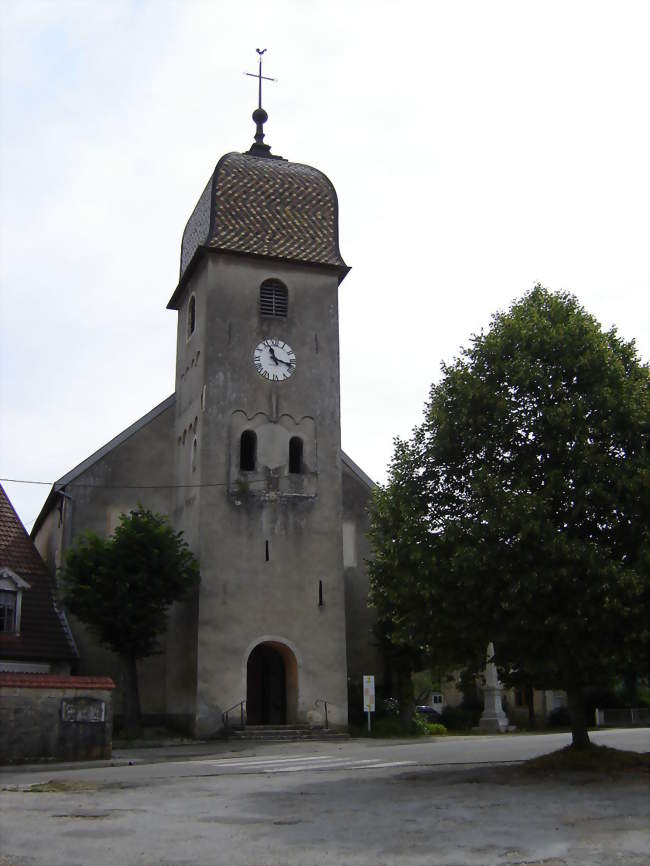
{"x":274,"y":299}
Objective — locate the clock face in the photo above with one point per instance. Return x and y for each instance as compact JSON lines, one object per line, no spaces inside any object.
{"x":274,"y":359}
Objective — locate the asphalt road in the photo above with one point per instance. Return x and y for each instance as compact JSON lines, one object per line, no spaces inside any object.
{"x":447,"y":802}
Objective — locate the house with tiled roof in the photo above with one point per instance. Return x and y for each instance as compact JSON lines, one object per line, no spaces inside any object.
{"x":34,"y":633}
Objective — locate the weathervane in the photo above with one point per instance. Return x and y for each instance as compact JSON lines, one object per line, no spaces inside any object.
{"x":259,"y":115}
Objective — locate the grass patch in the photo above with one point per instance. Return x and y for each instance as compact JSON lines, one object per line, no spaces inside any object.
{"x":389,"y":728}
{"x":595,"y":759}
{"x":59,"y":787}
{"x":382,"y":728}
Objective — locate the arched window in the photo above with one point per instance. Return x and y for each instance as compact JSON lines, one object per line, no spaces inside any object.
{"x":295,"y":455}
{"x":195,"y":448}
{"x":248,"y":451}
{"x":191,"y":316}
{"x":274,"y":299}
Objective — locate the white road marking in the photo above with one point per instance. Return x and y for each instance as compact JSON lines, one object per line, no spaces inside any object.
{"x":298,"y":764}
{"x":391,"y":764}
{"x":332,"y":764}
{"x":343,"y":765}
{"x":253,"y":761}
{"x":259,"y":762}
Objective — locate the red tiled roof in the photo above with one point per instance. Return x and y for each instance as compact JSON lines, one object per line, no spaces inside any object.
{"x":54,"y":681}
{"x":42,"y":632}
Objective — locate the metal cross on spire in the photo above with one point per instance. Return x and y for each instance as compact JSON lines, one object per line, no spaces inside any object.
{"x":259,"y":76}
{"x":259,"y":115}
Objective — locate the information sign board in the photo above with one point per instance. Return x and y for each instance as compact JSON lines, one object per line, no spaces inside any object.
{"x":369,"y":694}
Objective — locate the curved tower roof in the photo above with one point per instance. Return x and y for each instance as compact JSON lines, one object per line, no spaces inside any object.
{"x":259,"y":204}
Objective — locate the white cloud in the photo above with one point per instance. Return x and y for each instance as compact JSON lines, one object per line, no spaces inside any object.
{"x":476,"y":148}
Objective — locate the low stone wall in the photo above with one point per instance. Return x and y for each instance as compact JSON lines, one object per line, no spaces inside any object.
{"x":49,"y":716}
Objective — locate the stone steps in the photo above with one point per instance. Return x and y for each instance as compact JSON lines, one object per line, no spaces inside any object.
{"x":285,"y":732}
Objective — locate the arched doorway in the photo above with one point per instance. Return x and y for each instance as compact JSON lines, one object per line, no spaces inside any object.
{"x":271,"y":685}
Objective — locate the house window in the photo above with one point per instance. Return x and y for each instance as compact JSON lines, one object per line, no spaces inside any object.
{"x":8,"y":604}
{"x":274,"y":299}
{"x":295,"y":455}
{"x":11,"y":596}
{"x":191,"y":316}
{"x":248,"y":451}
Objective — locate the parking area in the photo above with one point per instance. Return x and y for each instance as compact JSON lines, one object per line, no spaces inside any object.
{"x":375,"y":803}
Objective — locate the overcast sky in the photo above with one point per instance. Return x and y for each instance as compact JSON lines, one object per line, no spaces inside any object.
{"x":476,"y":147}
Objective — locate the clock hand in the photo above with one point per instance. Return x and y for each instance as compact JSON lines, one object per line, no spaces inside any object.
{"x":277,"y":360}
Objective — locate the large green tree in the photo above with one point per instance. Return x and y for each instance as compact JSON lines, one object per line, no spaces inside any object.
{"x":121,"y":588}
{"x":518,"y":512}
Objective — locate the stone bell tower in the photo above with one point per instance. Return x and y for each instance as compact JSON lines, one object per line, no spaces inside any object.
{"x":257,"y":443}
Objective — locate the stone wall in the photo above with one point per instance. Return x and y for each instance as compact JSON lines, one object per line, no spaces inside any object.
{"x":67,"y":718}
{"x":363,"y":653}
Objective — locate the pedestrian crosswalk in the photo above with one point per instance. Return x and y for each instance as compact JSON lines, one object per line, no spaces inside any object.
{"x":296,"y":764}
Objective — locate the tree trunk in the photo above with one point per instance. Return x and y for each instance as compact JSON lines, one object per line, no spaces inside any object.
{"x":132,"y":720}
{"x":530,"y":700}
{"x":578,"y":719}
{"x":630,"y":686}
{"x":405,"y":688}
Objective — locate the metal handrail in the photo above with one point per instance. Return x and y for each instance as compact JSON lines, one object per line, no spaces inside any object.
{"x":324,"y":703}
{"x":242,"y":709}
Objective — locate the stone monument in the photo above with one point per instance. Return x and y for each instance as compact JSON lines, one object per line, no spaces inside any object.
{"x":493,"y":718}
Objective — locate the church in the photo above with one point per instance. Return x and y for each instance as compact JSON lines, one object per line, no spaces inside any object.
{"x":245,"y":458}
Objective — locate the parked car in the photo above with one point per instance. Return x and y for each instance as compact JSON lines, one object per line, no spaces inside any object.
{"x":431,"y":714}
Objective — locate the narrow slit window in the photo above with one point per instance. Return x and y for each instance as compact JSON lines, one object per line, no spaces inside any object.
{"x":248,"y":451}
{"x":191,"y":316}
{"x":274,"y":299}
{"x":320,"y":593}
{"x":295,"y":455}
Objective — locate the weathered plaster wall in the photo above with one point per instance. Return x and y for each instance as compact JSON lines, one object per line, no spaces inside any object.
{"x":51,"y":718}
{"x":140,"y":470}
{"x":245,"y":598}
{"x":362,"y":653}
{"x":266,"y":539}
{"x":49,"y":539}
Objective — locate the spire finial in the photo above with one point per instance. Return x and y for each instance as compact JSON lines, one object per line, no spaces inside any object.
{"x":259,"y":115}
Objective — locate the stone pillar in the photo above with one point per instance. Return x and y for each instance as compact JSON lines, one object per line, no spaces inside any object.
{"x":493,"y":718}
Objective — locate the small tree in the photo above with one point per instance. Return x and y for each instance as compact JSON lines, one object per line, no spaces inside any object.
{"x":519,"y":512}
{"x":121,"y":589}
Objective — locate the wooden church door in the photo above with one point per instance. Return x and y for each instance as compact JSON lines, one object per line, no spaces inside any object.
{"x":266,"y":692}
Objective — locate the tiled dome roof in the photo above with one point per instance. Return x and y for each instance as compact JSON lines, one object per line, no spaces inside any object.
{"x":267,"y":207}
